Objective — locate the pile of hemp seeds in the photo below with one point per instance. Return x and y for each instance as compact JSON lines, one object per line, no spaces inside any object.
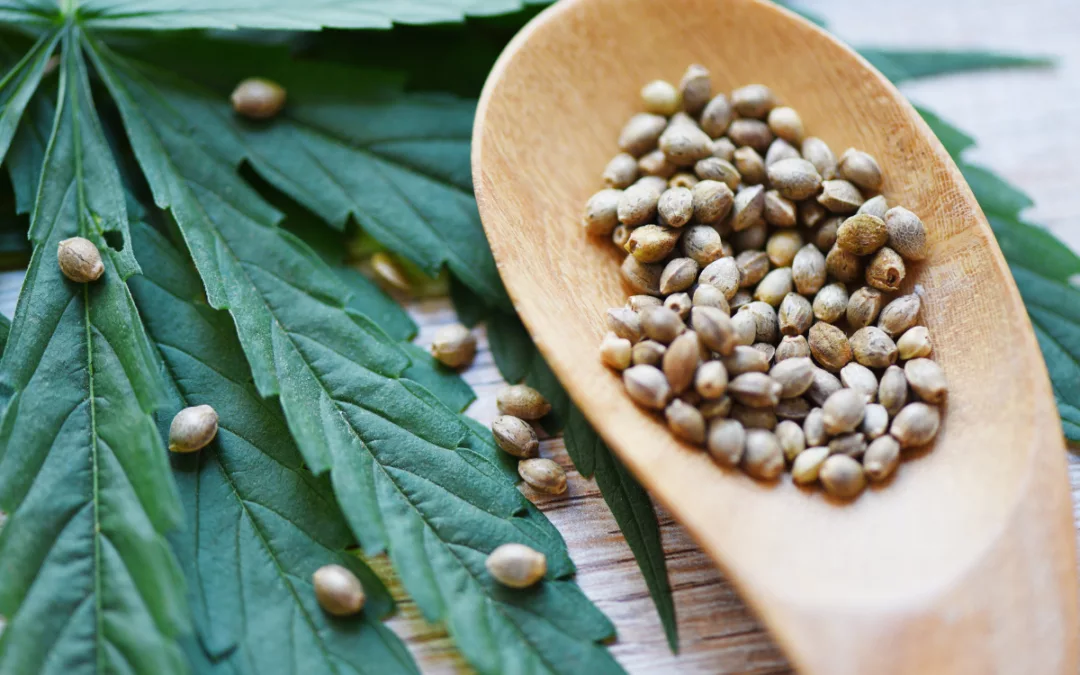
{"x":766,"y":322}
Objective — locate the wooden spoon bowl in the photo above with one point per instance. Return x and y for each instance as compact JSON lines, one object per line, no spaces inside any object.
{"x":965,"y":562}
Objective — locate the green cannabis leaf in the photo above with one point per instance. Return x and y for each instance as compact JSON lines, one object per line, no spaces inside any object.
{"x":412,"y":477}
{"x":5,"y":327}
{"x":901,"y":65}
{"x":258,"y":523}
{"x":19,"y":84}
{"x":88,"y":575}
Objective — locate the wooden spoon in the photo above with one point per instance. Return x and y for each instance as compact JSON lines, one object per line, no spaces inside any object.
{"x":965,"y":562}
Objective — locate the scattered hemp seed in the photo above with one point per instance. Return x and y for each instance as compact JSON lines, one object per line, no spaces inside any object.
{"x":338,"y":590}
{"x":515,"y":436}
{"x":258,"y":99}
{"x":516,"y":565}
{"x":543,"y":475}
{"x":192,"y":429}
{"x":79,"y":260}
{"x":521,"y":400}
{"x":454,"y":346}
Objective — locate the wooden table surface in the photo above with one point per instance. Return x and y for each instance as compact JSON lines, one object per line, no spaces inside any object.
{"x":1024,"y":122}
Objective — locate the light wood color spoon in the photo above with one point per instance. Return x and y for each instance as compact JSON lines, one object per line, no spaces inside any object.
{"x":965,"y":562}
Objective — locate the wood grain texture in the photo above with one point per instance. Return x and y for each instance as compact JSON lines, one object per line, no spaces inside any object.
{"x":966,"y":561}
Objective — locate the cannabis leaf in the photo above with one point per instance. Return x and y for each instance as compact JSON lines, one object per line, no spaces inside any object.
{"x":410,"y":474}
{"x":5,"y":327}
{"x":258,"y":523}
{"x":88,"y":577}
{"x":19,"y":84}
{"x":900,"y":65}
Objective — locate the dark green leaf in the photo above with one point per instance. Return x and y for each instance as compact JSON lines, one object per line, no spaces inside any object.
{"x":411,"y":475}
{"x":995,"y":196}
{"x":258,"y":523}
{"x":33,"y":12}
{"x":5,"y":327}
{"x":89,"y":582}
{"x":438,"y":379}
{"x":19,"y":84}
{"x":899,"y":64}
{"x":27,"y":152}
{"x":280,"y":14}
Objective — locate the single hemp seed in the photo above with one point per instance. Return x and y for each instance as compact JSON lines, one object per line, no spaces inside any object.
{"x":454,"y":346}
{"x":338,"y":590}
{"x":192,"y":429}
{"x":258,"y":99}
{"x":521,"y":400}
{"x":516,"y":565}
{"x":515,"y":436}
{"x":543,"y":475}
{"x":79,"y":260}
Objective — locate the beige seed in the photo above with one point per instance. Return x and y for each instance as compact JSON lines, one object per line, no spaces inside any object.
{"x":337,"y":590}
{"x":861,"y":169}
{"x":840,"y":196}
{"x":647,"y":386}
{"x":875,"y":421}
{"x":795,"y":315}
{"x":886,"y":270}
{"x":843,"y":411}
{"x":712,"y":201}
{"x":258,"y":98}
{"x":678,"y":275}
{"x":755,"y":390}
{"x":752,"y":267}
{"x":621,"y":171}
{"x":515,"y":436}
{"x":791,"y":438}
{"x":750,"y":165}
{"x":779,"y":211}
{"x":875,"y":206}
{"x":842,"y":477}
{"x":893,"y":390}
{"x":916,"y":424}
{"x":702,"y":244}
{"x":660,"y":97}
{"x":794,"y":178}
{"x":792,"y":347}
{"x":716,"y":116}
{"x":818,"y":153}
{"x":192,"y":429}
{"x":714,"y":328}
{"x":794,"y":376}
{"x":914,"y":343}
{"x":842,"y":265}
{"x":624,"y":323}
{"x":652,"y":243}
{"x":711,"y":380}
{"x":754,"y":418}
{"x":763,"y":458}
{"x":79,"y":260}
{"x":714,"y":168}
{"x":680,"y":304}
{"x":637,"y":205}
{"x":749,"y":208}
{"x":768,"y":328}
{"x":907,"y":234}
{"x":641,"y":133}
{"x":615,"y":352}
{"x":620,"y":236}
{"x":862,"y":234}
{"x":454,"y":345}
{"x":745,"y":359}
{"x":654,"y":183}
{"x":807,"y":464}
{"x":881,"y":458}
{"x":873,"y":348}
{"x":661,"y":324}
{"x":927,"y":380}
{"x":786,"y":123}
{"x":516,"y":565}
{"x":656,"y":163}
{"x":795,"y":409}
{"x":780,"y":149}
{"x":765,"y":348}
{"x":686,"y":422}
{"x":851,"y":444}
{"x":814,"y":428}
{"x":811,"y":214}
{"x":641,"y":277}
{"x":681,"y":361}
{"x":684,"y":144}
{"x":744,"y":328}
{"x":648,"y":353}
{"x":774,"y":287}
{"x":753,"y":100}
{"x":710,"y":296}
{"x":726,"y":441}
{"x":860,"y":378}
{"x":808,"y":270}
{"x":723,"y":148}
{"x":684,"y":179}
{"x":831,"y":303}
{"x":725,"y":275}
{"x":676,"y":207}
{"x":695,"y":89}
{"x":829,"y":346}
{"x":522,"y":401}
{"x":783,"y":246}
{"x":752,"y":238}
{"x":741,"y":298}
{"x":640,"y":302}
{"x":825,"y":236}
{"x":602,"y":213}
{"x":753,"y":133}
{"x":899,"y":315}
{"x":714,"y":408}
{"x":864,"y":306}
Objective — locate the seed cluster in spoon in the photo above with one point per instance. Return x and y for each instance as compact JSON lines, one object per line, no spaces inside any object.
{"x":767,"y":323}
